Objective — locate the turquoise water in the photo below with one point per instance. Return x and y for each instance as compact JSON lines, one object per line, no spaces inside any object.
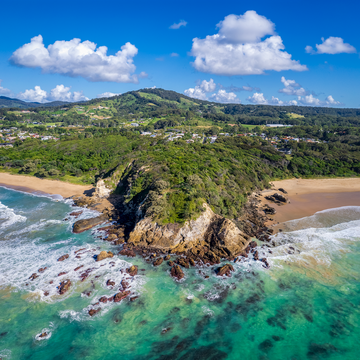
{"x":306,"y":306}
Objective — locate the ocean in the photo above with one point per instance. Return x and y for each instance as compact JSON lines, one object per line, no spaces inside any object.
{"x":306,"y":306}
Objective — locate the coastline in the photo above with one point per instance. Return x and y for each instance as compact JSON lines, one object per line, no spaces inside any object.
{"x":308,"y":196}
{"x":32,"y":184}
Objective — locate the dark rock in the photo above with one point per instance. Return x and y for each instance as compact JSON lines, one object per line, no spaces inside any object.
{"x":76,"y":214}
{"x":103,"y":299}
{"x":158,"y":262}
{"x":92,"y":312}
{"x":171,"y":263}
{"x":64,"y":257}
{"x":256,"y":255}
{"x":266,"y":345}
{"x":79,"y":267}
{"x":110,"y":283}
{"x":44,"y":334}
{"x":277,"y":338}
{"x":192,"y":262}
{"x":176,"y":272}
{"x":124,"y":284}
{"x":127,"y":252}
{"x":164,"y":331}
{"x":41,"y":270}
{"x":121,"y":295}
{"x":62,"y":273}
{"x":282,"y":190}
{"x":46,"y":293}
{"x":64,"y":286}
{"x":33,"y":276}
{"x":316,"y":350}
{"x":86,"y":224}
{"x":225,"y":270}
{"x":167,"y":257}
{"x":134,"y":298}
{"x":132,"y":270}
{"x":277,"y":198}
{"x":75,"y":252}
{"x":183,"y":262}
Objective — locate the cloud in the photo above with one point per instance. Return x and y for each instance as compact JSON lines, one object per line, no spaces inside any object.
{"x":310,"y":100}
{"x":178,"y":25}
{"x":292,"y":88}
{"x":107,"y":94}
{"x":225,"y":97}
{"x":4,"y":91}
{"x":241,"y":88}
{"x":199,"y":91}
{"x":238,"y":50}
{"x":332,"y":45}
{"x":160,"y":58}
{"x":59,"y":93}
{"x":75,"y":58}
{"x":174,"y":54}
{"x":259,"y":98}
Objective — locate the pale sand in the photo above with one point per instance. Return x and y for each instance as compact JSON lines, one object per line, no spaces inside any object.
{"x":308,"y":196}
{"x":33,"y":184}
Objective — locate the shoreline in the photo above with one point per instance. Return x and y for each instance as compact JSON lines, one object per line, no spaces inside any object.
{"x":308,"y":196}
{"x":34,"y":185}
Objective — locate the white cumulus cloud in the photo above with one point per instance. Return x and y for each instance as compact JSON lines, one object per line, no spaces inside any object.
{"x":238,"y":49}
{"x":259,"y":98}
{"x":332,"y":45}
{"x":4,"y":91}
{"x":225,"y":97}
{"x":199,"y":91}
{"x":59,"y":93}
{"x":75,"y":58}
{"x":107,"y":94}
{"x":310,"y":100}
{"x":292,"y":88}
{"x":178,"y":25}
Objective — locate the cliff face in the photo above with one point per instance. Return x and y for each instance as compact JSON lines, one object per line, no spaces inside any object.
{"x":218,"y":234}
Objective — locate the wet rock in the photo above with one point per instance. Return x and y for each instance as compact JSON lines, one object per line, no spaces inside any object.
{"x":158,"y":262}
{"x":62,"y":258}
{"x":225,"y":270}
{"x":277,"y":198}
{"x":256,"y":255}
{"x":62,"y":273}
{"x":167,"y":257}
{"x":64,"y":286}
{"x":269,"y":210}
{"x":103,"y":299}
{"x":124,"y":284}
{"x":76,"y":214}
{"x":79,"y":267}
{"x":85,"y":274}
{"x":134,"y":298}
{"x":86,"y":224}
{"x":110,"y":283}
{"x":46,"y":293}
{"x":41,"y":270}
{"x":44,"y":334}
{"x":104,"y":255}
{"x":121,"y":295}
{"x":282,"y":190}
{"x":92,"y":312}
{"x":171,"y":263}
{"x":111,"y":237}
{"x":184,"y":263}
{"x":33,"y":276}
{"x":192,"y":262}
{"x":51,"y":281}
{"x":75,"y":252}
{"x":176,"y":272}
{"x":127,"y":252}
{"x":132,"y":270}
{"x":119,"y":241}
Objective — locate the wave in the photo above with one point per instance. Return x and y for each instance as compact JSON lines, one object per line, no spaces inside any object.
{"x":8,"y":217}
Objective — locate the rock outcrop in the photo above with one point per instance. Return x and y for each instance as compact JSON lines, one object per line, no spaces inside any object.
{"x":277,"y":198}
{"x":215,"y":232}
{"x":86,"y":224}
{"x":101,"y":191}
{"x":104,"y":255}
{"x":176,"y":272}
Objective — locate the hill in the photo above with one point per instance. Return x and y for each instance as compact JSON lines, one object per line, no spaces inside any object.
{"x":6,"y":102}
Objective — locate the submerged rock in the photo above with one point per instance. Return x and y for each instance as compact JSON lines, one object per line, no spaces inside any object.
{"x":92,"y":312}
{"x":127,"y":252}
{"x":86,"y":224}
{"x":176,"y":272}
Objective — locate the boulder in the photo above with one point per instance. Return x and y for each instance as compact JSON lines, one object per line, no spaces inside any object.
{"x":132,"y":270}
{"x":124,"y":284}
{"x":62,"y":258}
{"x":277,"y":198}
{"x":183,"y":262}
{"x":158,"y":262}
{"x":119,"y":241}
{"x":41,"y":270}
{"x":225,"y":270}
{"x":33,"y":276}
{"x":121,"y":295}
{"x":104,"y":255}
{"x":176,"y":272}
{"x":282,"y":190}
{"x":86,"y":224}
{"x":92,"y":312}
{"x":111,"y":237}
{"x":110,"y":283}
{"x":76,"y":214}
{"x":167,"y":257}
{"x":103,"y":299}
{"x":64,"y":286}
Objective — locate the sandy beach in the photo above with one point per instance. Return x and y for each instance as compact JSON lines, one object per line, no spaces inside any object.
{"x":43,"y":186}
{"x":308,"y":196}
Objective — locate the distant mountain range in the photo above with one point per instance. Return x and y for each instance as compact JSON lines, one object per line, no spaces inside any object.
{"x":6,"y":102}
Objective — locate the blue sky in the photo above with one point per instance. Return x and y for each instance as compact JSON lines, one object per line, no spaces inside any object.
{"x":243,"y":51}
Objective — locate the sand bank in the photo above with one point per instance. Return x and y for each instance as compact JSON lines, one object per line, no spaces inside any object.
{"x":307,"y":196}
{"x":35,"y":185}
